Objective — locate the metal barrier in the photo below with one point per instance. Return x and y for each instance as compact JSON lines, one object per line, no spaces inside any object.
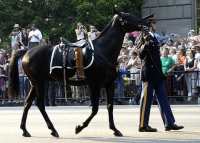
{"x":182,"y":88}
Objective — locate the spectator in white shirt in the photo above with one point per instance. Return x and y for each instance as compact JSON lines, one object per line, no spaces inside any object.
{"x":197,"y":54}
{"x":34,"y":37}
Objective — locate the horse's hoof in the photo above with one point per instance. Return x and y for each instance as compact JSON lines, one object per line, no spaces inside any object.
{"x":55,"y":134}
{"x":118,"y":134}
{"x":26,"y":134}
{"x":78,"y":129}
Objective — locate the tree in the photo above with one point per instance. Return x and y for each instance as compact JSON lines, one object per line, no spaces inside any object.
{"x":57,"y":18}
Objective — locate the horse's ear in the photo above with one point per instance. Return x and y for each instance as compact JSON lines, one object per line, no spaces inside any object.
{"x":149,"y":17}
{"x":115,"y":10}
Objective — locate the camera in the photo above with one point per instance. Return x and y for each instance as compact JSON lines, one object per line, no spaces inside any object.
{"x":81,"y":27}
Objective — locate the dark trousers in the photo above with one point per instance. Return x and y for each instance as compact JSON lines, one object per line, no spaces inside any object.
{"x":148,"y":90}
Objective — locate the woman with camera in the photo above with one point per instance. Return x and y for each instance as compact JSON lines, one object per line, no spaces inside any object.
{"x":81,"y":31}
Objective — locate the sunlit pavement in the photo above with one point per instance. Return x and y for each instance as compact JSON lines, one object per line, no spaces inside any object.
{"x":126,"y":118}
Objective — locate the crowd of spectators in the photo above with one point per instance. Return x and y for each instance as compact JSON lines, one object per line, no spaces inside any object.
{"x":20,"y":38}
{"x":180,"y":58}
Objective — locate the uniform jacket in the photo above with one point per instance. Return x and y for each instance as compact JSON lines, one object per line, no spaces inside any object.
{"x":151,"y":63}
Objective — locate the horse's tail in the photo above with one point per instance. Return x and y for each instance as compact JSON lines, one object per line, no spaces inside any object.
{"x":13,"y":74}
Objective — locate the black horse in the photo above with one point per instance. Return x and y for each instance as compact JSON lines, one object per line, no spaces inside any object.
{"x":102,"y":73}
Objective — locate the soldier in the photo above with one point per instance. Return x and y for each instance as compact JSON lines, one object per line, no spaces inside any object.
{"x":153,"y":83}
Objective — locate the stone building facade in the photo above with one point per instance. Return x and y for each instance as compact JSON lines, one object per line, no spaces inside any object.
{"x":174,"y":16}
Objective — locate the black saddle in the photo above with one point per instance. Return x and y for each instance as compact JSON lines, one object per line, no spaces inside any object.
{"x":57,"y":55}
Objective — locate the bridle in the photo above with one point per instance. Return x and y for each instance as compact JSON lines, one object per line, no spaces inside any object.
{"x":122,"y":21}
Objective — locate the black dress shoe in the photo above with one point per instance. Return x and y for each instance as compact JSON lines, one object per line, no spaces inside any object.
{"x":147,"y":129}
{"x":173,"y":127}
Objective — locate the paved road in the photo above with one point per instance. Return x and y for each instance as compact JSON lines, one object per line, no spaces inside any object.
{"x":126,"y":117}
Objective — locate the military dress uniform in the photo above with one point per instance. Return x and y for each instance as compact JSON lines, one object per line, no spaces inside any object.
{"x":153,"y":84}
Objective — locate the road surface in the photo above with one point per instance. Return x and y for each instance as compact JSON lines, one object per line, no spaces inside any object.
{"x":126,"y":117}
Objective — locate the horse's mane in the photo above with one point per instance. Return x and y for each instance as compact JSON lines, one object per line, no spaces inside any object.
{"x":107,"y":26}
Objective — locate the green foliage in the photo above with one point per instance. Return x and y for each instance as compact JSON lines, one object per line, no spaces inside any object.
{"x":57,"y":18}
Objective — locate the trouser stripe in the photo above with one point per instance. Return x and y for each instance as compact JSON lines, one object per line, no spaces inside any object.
{"x":144,"y":103}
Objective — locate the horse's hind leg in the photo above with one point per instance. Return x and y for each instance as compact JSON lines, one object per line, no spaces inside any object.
{"x":95,"y":107}
{"x":28,"y":103}
{"x":41,"y":106}
{"x":110,"y":94}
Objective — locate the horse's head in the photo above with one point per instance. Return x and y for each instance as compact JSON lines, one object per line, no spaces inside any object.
{"x":132,"y":23}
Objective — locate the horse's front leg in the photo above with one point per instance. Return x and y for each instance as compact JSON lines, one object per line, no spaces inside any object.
{"x":95,"y":106}
{"x":110,"y":94}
